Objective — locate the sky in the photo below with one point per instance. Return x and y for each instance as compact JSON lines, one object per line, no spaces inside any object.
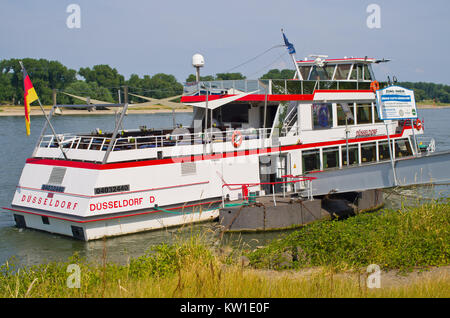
{"x":149,"y":37}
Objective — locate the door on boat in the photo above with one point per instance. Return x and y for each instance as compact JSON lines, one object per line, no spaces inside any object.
{"x":282,"y":170}
{"x":271,"y":169}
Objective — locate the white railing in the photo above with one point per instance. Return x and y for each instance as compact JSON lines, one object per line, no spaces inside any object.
{"x":98,"y":143}
{"x":270,"y":86}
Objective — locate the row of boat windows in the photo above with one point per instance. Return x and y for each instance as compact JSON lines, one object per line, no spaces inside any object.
{"x":337,"y":72}
{"x":364,"y":153}
{"x":365,"y":113}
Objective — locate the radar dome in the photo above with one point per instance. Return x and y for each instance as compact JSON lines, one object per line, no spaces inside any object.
{"x":198,"y":60}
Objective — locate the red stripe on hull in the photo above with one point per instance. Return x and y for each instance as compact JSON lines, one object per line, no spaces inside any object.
{"x":155,"y":162}
{"x":112,"y":217}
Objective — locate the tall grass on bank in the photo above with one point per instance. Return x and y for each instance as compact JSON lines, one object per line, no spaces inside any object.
{"x":193,"y":271}
{"x":192,"y":268}
{"x":404,"y":239}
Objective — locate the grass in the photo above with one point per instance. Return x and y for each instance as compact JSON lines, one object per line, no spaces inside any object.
{"x":412,"y":237}
{"x":334,"y":255}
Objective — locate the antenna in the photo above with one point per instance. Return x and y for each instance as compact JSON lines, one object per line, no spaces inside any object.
{"x":197,"y":62}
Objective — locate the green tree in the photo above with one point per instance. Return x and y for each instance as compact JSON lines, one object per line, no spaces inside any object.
{"x":45,"y":75}
{"x":164,"y":85}
{"x":192,"y":78}
{"x":81,"y":88}
{"x":103,"y":75}
{"x":229,"y":76}
{"x":279,"y":74}
{"x":7,"y":91}
{"x":159,"y":86}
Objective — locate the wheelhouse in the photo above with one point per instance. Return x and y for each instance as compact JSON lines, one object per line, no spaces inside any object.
{"x":346,"y":69}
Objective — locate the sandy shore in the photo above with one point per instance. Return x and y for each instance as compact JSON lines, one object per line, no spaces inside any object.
{"x":36,"y":111}
{"x":431,"y":106}
{"x":18,"y":111}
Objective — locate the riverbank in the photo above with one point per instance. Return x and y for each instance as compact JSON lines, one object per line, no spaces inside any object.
{"x":36,"y":111}
{"x":432,"y":106}
{"x":154,"y":109}
{"x":416,"y":239}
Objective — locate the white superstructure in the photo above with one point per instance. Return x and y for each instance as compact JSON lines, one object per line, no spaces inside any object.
{"x":243,"y":132}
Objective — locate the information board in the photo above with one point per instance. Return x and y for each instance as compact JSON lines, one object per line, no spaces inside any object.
{"x":396,"y":102}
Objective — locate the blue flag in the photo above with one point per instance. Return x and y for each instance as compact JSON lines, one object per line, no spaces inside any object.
{"x":289,"y":46}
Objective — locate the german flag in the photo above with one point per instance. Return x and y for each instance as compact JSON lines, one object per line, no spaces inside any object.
{"x":29,"y":96}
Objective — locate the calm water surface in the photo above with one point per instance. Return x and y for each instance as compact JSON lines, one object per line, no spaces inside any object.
{"x":34,"y":247}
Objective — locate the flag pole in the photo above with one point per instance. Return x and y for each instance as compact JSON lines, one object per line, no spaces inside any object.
{"x":291,"y":51}
{"x":53,"y":129}
{"x":48,"y":121}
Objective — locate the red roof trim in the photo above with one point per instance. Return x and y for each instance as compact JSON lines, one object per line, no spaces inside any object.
{"x":343,"y":59}
{"x":271,"y":98}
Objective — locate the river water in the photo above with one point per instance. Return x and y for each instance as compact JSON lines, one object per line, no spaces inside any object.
{"x":29,"y":247}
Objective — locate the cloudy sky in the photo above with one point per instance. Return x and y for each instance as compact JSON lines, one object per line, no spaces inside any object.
{"x":149,"y":37}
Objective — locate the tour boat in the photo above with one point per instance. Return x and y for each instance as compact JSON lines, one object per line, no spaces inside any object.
{"x":267,"y":134}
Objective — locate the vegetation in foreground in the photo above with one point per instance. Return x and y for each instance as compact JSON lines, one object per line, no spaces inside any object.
{"x":416,"y":236}
{"x":406,"y":239}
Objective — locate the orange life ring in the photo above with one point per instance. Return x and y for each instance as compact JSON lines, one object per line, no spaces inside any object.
{"x":236,"y":138}
{"x":374,"y":86}
{"x":418,"y":124}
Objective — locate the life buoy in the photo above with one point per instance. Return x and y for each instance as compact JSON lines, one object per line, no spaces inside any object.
{"x":374,"y":86}
{"x":418,"y":124}
{"x":236,"y":138}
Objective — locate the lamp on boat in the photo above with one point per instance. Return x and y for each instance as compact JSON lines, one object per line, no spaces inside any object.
{"x":319,"y":59}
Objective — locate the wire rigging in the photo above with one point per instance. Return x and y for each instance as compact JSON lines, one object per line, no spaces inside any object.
{"x":254,"y":58}
{"x":268,"y":65}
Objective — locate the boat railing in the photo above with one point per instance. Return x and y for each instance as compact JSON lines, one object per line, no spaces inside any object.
{"x":270,"y":86}
{"x":289,"y":179}
{"x":101,"y":143}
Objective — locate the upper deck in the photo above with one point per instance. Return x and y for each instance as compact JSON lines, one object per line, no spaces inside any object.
{"x":317,"y":75}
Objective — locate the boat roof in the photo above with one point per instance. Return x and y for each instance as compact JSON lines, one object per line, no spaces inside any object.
{"x":345,"y":60}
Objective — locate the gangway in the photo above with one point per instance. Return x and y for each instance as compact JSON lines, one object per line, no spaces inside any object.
{"x":432,"y":168}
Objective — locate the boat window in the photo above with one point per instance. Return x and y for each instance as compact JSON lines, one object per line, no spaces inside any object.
{"x":270,"y":115}
{"x":330,"y":70}
{"x":342,"y":71}
{"x":367,"y":76}
{"x":235,"y":113}
{"x":377,"y":118}
{"x":341,"y":115}
{"x":330,"y":157}
{"x":368,"y":152}
{"x":318,"y":73}
{"x":353,"y":73}
{"x":360,"y":71}
{"x":402,"y":148}
{"x":311,"y":160}
{"x":322,"y":115}
{"x":352,"y":154}
{"x":383,"y":151}
{"x":364,"y":113}
{"x":304,"y":70}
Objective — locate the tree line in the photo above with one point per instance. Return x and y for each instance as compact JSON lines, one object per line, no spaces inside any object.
{"x":103,"y":82}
